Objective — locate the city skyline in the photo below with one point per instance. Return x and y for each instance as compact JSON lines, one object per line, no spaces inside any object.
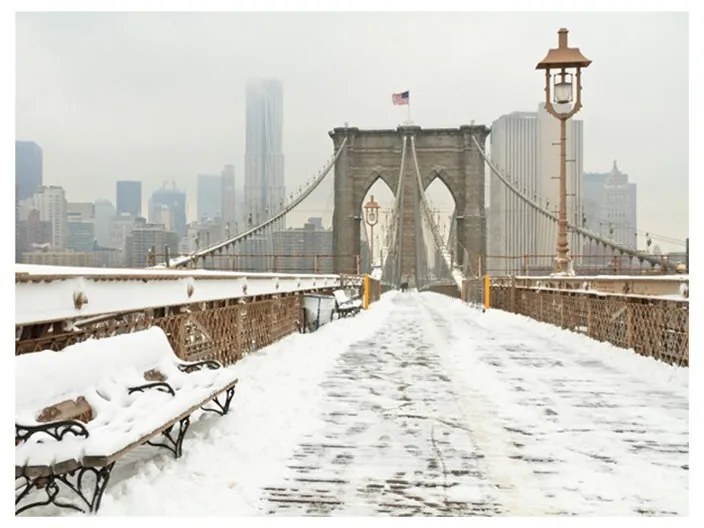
{"x":350,"y":82}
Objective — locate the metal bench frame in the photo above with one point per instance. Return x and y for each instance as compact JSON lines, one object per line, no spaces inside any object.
{"x":71,"y":474}
{"x":346,"y":306}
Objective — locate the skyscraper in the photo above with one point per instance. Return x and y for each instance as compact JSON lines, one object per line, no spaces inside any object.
{"x":209,"y":196}
{"x":104,"y":211}
{"x":610,"y":206}
{"x":264,"y":160}
{"x":129,"y":197}
{"x":51,"y":203}
{"x":168,"y":207}
{"x":228,"y":208}
{"x":28,"y":168}
{"x":525,"y":146}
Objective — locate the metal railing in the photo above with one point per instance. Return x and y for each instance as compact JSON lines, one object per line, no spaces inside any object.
{"x":584,"y":264}
{"x":648,"y":315}
{"x":272,"y":262}
{"x":205,"y":314}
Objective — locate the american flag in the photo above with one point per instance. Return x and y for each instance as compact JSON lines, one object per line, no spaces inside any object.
{"x":400,"y":98}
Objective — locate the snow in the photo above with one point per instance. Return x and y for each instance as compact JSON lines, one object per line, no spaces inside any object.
{"x":101,"y":370}
{"x":345,"y":302}
{"x":108,"y":291}
{"x":425,"y":405}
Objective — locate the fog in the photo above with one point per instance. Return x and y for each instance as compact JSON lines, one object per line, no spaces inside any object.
{"x":161,"y":96}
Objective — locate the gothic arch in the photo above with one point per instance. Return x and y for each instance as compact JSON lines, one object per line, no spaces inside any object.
{"x":448,"y":154}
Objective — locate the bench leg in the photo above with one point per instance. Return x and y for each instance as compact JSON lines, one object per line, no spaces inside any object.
{"x":73,"y":480}
{"x":174,"y":444}
{"x":222,"y":407}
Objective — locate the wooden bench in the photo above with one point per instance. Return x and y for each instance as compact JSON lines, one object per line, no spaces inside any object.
{"x":345,"y":305}
{"x":79,"y":410}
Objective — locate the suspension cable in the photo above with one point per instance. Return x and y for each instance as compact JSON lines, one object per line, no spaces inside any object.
{"x":584,"y":232}
{"x":456,"y":273}
{"x":185,"y":261}
{"x":392,"y":240}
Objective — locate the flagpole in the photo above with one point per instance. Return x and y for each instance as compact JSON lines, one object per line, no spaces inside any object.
{"x":409,"y":111}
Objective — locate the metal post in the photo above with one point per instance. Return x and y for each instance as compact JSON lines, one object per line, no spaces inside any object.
{"x":562,"y":244}
{"x":686,"y":257}
{"x":166,"y":252}
{"x":487,"y":291}
{"x":371,"y":249}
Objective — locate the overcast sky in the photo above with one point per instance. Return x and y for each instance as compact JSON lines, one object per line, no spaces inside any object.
{"x":161,"y":96}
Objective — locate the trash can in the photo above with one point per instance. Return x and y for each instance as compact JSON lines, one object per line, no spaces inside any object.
{"x":317,"y":310}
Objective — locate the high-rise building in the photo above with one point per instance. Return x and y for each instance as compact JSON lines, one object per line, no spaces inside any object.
{"x":514,"y":139}
{"x":210,"y":199}
{"x":82,"y":211}
{"x":31,"y":233}
{"x":609,"y":202}
{"x":525,"y":148}
{"x":228,"y":207}
{"x":145,"y":236}
{"x":168,"y":206}
{"x":81,"y":235}
{"x":119,"y":229}
{"x":28,"y":168}
{"x":264,"y":160}
{"x":129,"y":197}
{"x":305,"y":249}
{"x":104,"y":211}
{"x":50,"y":201}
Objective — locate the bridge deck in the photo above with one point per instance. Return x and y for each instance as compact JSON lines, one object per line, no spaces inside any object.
{"x":425,"y":406}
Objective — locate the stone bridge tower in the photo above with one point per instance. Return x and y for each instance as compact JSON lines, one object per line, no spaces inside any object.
{"x":445,"y":153}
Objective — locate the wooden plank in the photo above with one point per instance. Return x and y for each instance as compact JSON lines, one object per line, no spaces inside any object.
{"x":104,"y":460}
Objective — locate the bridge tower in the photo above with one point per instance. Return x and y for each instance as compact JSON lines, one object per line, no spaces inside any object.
{"x":445,"y":153}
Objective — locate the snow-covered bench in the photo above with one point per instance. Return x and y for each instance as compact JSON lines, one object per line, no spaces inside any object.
{"x":80,"y":409}
{"x":345,"y":305}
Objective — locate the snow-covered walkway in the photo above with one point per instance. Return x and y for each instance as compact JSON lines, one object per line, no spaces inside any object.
{"x":423,"y":405}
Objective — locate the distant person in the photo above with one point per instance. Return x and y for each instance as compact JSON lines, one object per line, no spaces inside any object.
{"x":404,"y":286}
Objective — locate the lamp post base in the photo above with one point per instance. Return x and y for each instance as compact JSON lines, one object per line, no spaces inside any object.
{"x":563,"y":267}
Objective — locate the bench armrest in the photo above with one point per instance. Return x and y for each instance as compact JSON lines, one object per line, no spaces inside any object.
{"x":56,"y":430}
{"x":199,"y":365}
{"x":161,"y":386}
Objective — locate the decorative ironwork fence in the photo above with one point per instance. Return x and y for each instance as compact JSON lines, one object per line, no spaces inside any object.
{"x":222,"y":330}
{"x":651,"y":325}
{"x":206,"y":316}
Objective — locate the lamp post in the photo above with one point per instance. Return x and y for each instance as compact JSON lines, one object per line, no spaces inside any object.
{"x":563,"y":60}
{"x":371,"y":217}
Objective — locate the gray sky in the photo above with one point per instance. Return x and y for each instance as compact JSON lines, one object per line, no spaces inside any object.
{"x":161,"y":96}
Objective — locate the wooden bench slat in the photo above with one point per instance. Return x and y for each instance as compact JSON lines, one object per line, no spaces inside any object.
{"x":97,"y":397}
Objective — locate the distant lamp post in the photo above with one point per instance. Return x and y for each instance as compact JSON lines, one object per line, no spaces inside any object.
{"x":371,"y":217}
{"x":566,"y":65}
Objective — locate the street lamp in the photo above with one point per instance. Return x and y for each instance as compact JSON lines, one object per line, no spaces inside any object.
{"x":563,"y":61}
{"x":371,"y":217}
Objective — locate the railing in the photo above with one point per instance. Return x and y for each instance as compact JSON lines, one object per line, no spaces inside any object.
{"x":648,"y":314}
{"x":584,"y":264}
{"x":205,"y":314}
{"x":273,"y":262}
